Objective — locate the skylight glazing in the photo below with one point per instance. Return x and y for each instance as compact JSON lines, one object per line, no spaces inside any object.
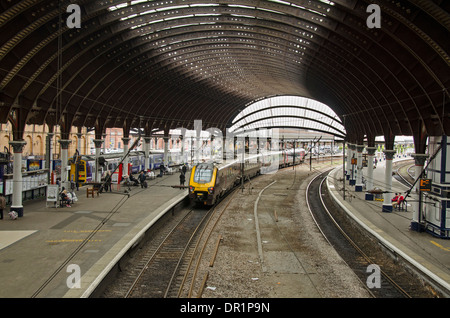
{"x":289,"y":111}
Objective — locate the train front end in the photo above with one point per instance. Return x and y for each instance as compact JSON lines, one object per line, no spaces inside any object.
{"x":201,"y":183}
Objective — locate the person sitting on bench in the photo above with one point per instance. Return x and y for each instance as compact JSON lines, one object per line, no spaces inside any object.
{"x":64,"y":198}
{"x":395,"y":199}
{"x":400,"y":199}
{"x":400,"y":202}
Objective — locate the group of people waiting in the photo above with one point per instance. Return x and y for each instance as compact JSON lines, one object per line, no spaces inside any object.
{"x":141,"y":179}
{"x":397,"y":200}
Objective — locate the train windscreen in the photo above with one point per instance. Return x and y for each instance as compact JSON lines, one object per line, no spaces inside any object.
{"x":203,"y":173}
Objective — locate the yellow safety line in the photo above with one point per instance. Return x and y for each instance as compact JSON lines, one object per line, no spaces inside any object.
{"x":440,"y":246}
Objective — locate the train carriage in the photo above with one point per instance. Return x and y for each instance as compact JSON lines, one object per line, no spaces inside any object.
{"x":209,"y":182}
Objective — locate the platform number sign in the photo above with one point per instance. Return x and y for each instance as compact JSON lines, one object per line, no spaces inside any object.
{"x":425,"y":184}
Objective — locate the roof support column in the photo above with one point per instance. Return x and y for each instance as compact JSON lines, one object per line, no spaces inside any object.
{"x":348,"y":163}
{"x":147,"y":140}
{"x":229,"y":146}
{"x":79,"y":135}
{"x":166,"y":147}
{"x":64,"y":162}
{"x":370,"y":165}
{"x":182,"y":141}
{"x":125,"y":161}
{"x":369,"y":178}
{"x":389,"y":153}
{"x":359,"y":169}
{"x":351,"y":155}
{"x":98,"y":146}
{"x":198,"y":130}
{"x":17,"y":177}
{"x":49,"y":153}
{"x":104,"y":143}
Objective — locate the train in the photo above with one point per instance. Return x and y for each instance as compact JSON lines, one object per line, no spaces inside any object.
{"x":209,"y":182}
{"x":85,"y":166}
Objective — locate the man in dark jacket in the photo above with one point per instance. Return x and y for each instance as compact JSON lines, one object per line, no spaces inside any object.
{"x":182,"y":180}
{"x":141,"y":178}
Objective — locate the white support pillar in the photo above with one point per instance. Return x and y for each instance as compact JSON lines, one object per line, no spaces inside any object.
{"x":17,"y":177}
{"x":359,"y":184}
{"x":387,"y":204}
{"x":125,"y":171}
{"x":369,"y":178}
{"x":349,"y":160}
{"x":64,"y":162}
{"x":104,"y":143}
{"x":183,"y":159}
{"x":79,"y":135}
{"x":198,"y":130}
{"x":166,"y":151}
{"x":182,"y":137}
{"x":49,"y":156}
{"x":147,"y":153}
{"x":98,"y":147}
{"x":351,"y":167}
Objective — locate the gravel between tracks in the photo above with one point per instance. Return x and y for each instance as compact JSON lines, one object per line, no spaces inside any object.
{"x":296,"y":260}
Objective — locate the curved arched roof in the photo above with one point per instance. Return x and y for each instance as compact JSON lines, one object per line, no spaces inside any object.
{"x":288,"y":111}
{"x":162,"y":64}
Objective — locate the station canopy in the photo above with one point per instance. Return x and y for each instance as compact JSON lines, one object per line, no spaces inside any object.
{"x":289,"y":112}
{"x":164,"y":64}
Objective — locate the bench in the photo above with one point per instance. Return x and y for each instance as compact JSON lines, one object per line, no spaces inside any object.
{"x":402,"y":206}
{"x":61,"y":204}
{"x":91,"y":191}
{"x":95,"y":189}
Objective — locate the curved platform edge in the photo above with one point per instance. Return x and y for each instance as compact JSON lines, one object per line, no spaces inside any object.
{"x":94,"y":276}
{"x":434,"y":275}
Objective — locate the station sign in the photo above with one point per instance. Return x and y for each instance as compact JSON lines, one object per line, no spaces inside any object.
{"x":425,"y":184}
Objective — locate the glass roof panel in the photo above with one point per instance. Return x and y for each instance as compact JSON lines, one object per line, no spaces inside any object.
{"x":289,"y":111}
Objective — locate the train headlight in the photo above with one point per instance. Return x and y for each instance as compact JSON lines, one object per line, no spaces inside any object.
{"x":211,"y":190}
{"x":191,"y":189}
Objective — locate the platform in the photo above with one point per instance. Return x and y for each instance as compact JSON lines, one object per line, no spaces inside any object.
{"x":429,"y":254}
{"x":43,"y":252}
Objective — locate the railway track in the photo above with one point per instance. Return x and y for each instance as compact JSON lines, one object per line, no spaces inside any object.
{"x":360,"y":251}
{"x":405,"y":172}
{"x":166,"y":263}
{"x":157,"y":276}
{"x":154,"y":270}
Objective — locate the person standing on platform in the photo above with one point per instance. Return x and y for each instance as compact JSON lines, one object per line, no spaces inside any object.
{"x":142,"y":178}
{"x":2,"y":205}
{"x":108,"y":182}
{"x":182,"y":180}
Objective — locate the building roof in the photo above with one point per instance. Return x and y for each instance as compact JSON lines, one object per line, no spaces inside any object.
{"x":163,"y":64}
